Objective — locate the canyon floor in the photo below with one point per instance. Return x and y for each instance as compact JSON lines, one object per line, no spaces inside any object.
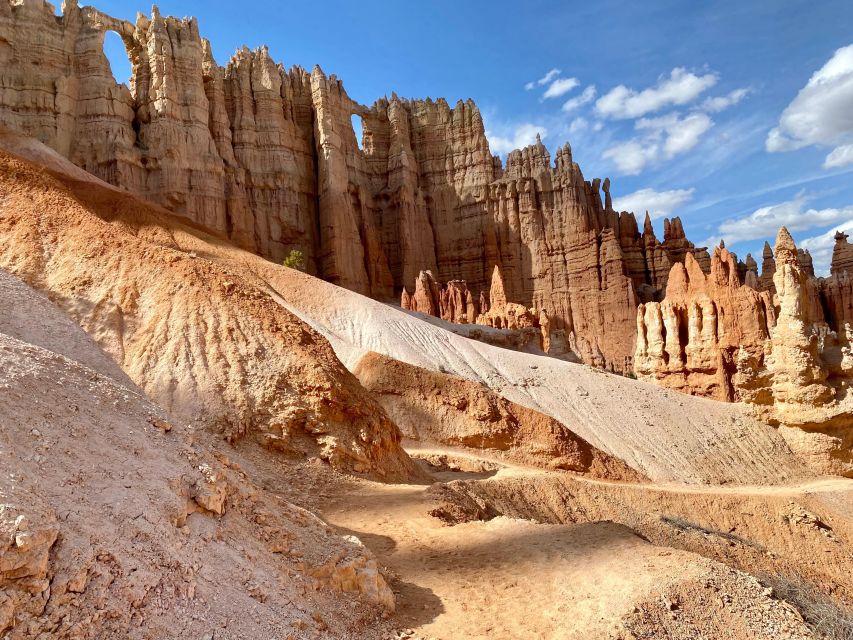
{"x":506,"y":576}
{"x":197,"y":443}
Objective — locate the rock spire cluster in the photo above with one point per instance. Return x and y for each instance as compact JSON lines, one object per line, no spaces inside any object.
{"x":267,"y":157}
{"x":787,"y":349}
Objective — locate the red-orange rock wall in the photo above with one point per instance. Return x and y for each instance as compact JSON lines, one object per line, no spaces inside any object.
{"x":267,"y":157}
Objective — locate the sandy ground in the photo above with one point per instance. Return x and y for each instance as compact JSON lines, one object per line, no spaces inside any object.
{"x":515,"y":578}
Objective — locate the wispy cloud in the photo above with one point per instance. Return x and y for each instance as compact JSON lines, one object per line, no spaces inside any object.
{"x":578,"y":124}
{"x":839,"y":157}
{"x":764,"y":190}
{"x":658,"y":203}
{"x":663,"y":138}
{"x":560,"y":87}
{"x":587,"y":96}
{"x":721,"y":103}
{"x":541,"y":82}
{"x":822,"y":113}
{"x":680,"y":88}
{"x":508,"y":137}
{"x":765,"y":222}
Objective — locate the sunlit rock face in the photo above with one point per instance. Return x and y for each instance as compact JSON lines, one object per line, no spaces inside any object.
{"x":267,"y":157}
{"x":790,"y":356}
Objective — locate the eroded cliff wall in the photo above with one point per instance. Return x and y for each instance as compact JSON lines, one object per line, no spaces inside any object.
{"x":267,"y":157}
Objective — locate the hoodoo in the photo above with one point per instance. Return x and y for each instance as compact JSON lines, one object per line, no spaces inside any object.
{"x":267,"y":157}
{"x":261,"y":379}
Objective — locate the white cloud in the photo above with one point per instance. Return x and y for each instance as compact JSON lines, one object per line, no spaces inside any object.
{"x":680,"y":88}
{"x":507,"y":139}
{"x":664,"y":138}
{"x":658,"y":203}
{"x":588,"y":95}
{"x":559,"y":87}
{"x":822,"y":112}
{"x":765,"y":222}
{"x":821,"y":246}
{"x":541,"y":82}
{"x":578,"y":124}
{"x":721,"y":103}
{"x":681,"y":134}
{"x":839,"y":157}
{"x":632,"y":157}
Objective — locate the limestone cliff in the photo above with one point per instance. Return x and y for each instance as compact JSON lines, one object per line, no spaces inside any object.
{"x":267,"y":157}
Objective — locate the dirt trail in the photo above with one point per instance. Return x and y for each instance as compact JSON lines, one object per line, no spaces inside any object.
{"x":512,"y":578}
{"x":826,"y":485}
{"x":505,"y":578}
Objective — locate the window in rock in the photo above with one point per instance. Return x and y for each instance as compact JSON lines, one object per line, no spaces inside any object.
{"x":117,"y":56}
{"x":358,"y":129}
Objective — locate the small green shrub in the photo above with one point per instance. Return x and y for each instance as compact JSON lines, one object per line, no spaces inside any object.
{"x":295,"y":260}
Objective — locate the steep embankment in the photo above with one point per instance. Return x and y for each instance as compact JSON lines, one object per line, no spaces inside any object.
{"x":662,"y":434}
{"x":203,"y":341}
{"x":435,"y":407}
{"x":200,"y":325}
{"x":119,"y":522}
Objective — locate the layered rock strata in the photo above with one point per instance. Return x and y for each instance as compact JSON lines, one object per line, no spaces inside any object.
{"x":790,"y":355}
{"x":267,"y":157}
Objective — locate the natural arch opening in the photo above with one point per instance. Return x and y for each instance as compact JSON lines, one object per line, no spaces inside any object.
{"x":118,"y":57}
{"x":358,"y":129}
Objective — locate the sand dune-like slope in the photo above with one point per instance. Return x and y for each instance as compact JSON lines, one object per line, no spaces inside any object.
{"x":664,"y":435}
{"x":118,"y":522}
{"x":201,"y":340}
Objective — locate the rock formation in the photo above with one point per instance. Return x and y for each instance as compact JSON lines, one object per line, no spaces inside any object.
{"x":206,"y":342}
{"x":842,"y":255}
{"x":452,"y":302}
{"x":267,"y":157}
{"x":449,"y":410}
{"x":718,"y":337}
{"x":707,"y":331}
{"x":521,"y":327}
{"x":502,"y":314}
{"x":768,"y":268}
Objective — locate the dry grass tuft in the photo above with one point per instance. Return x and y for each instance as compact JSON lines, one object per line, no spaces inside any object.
{"x":830,"y":620}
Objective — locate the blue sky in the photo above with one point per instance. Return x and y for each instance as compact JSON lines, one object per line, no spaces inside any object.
{"x":737,"y":116}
